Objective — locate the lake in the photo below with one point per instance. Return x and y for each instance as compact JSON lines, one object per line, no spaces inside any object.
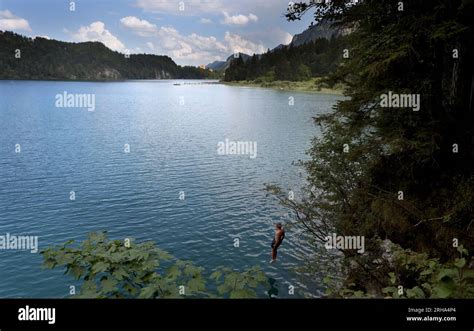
{"x":126,"y":166}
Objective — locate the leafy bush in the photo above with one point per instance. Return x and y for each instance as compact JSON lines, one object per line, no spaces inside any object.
{"x":414,"y":275}
{"x":453,"y":279}
{"x":114,"y":269}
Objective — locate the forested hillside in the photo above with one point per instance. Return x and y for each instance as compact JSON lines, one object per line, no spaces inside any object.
{"x":292,"y":63}
{"x":40,"y":58}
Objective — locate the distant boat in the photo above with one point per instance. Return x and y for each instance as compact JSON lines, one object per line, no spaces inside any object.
{"x":177,"y":84}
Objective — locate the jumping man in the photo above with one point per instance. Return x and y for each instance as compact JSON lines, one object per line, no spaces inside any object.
{"x":277,"y":240}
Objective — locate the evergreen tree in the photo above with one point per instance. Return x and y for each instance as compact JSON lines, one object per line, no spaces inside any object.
{"x":395,"y":173}
{"x":291,"y":63}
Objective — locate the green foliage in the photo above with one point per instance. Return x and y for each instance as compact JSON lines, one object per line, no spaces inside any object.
{"x":112,"y":269}
{"x":413,"y":275}
{"x":238,"y":284}
{"x":453,"y":279}
{"x":50,"y":59}
{"x":291,"y":63}
{"x":393,"y":150}
{"x":366,"y":153}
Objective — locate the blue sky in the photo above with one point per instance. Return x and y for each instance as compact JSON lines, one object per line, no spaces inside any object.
{"x":200,"y":32}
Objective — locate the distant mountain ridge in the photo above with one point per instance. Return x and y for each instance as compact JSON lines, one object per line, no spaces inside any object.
{"x":315,"y":53}
{"x":223,"y":65}
{"x":41,"y":58}
{"x":322,"y":30}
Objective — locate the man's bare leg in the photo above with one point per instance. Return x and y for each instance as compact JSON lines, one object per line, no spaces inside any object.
{"x":274,"y":255}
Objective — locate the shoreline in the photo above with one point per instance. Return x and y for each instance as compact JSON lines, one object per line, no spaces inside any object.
{"x":215,"y":81}
{"x":308,"y":86}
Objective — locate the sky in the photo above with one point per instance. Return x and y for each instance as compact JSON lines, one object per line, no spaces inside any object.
{"x":191,"y":32}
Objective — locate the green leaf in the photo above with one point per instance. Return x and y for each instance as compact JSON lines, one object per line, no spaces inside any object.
{"x":191,"y":270}
{"x":426,"y":272}
{"x":135,"y":254}
{"x":446,"y":273}
{"x":261,"y":277}
{"x":390,"y":289}
{"x":242,"y":294}
{"x":216,"y":275}
{"x":460,"y":263}
{"x":393,"y":278}
{"x":163,"y":255}
{"x":150,"y":264}
{"x":76,"y":271}
{"x":109,"y":284}
{"x":427,"y":287}
{"x":196,"y":284}
{"x":231,"y":280}
{"x":173,"y":272}
{"x":358,"y":294}
{"x":49,"y":264}
{"x":415,"y":292}
{"x":120,"y":273}
{"x":97,"y":236}
{"x":442,"y":291}
{"x":222,"y":289}
{"x":89,"y":290}
{"x":462,"y":250}
{"x":64,"y":258}
{"x":100,"y":267}
{"x":147,"y":292}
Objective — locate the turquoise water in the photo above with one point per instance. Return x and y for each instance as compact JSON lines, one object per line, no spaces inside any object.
{"x":173,"y":133}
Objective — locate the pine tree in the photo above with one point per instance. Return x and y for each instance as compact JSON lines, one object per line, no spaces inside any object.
{"x":368,"y":154}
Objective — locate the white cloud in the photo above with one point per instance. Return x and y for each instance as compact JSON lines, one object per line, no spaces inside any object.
{"x":286,"y":38}
{"x":238,"y":19}
{"x":10,"y":22}
{"x":141,"y":27}
{"x":205,"y":21}
{"x":150,"y":45}
{"x":237,"y":44}
{"x":273,"y":36}
{"x":96,"y":31}
{"x":196,"y":49}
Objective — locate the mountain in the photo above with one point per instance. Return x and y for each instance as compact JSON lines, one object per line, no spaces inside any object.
{"x":323,"y":30}
{"x":41,"y":58}
{"x":217,"y":65}
{"x":278,"y":47}
{"x":290,"y":63}
{"x":223,"y":65}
